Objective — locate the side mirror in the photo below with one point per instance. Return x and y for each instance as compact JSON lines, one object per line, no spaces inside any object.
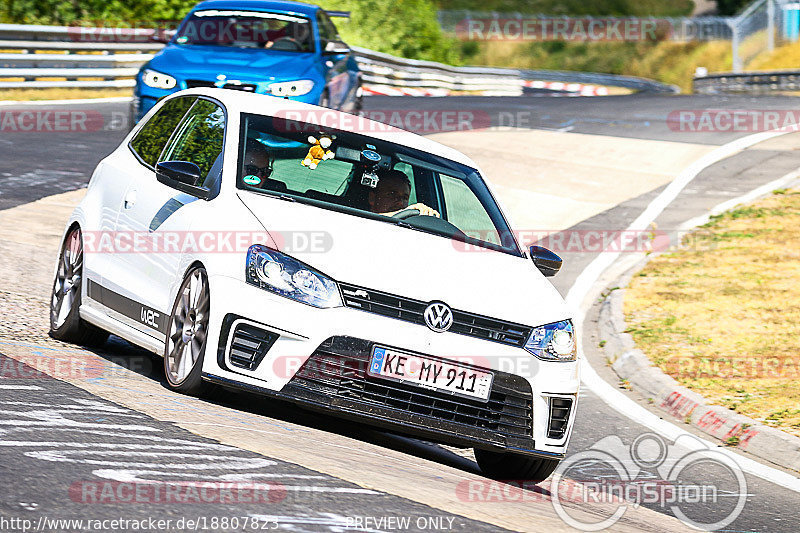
{"x":333,"y":48}
{"x":183,"y":176}
{"x":546,"y":261}
{"x":163,"y":36}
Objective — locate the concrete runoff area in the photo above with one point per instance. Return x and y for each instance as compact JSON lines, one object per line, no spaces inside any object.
{"x":550,"y":181}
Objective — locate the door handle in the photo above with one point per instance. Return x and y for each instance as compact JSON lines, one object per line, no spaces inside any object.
{"x":130,"y":199}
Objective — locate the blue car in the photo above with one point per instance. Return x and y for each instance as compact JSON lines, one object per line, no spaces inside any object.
{"x":285,"y":49}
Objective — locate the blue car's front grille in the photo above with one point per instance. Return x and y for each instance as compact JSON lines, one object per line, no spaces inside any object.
{"x":247,"y":87}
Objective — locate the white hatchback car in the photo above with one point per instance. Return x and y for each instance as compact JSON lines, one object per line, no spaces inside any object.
{"x":321,"y":258}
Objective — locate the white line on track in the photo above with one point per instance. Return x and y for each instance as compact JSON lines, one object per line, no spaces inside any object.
{"x":20,"y":387}
{"x":579,"y":298}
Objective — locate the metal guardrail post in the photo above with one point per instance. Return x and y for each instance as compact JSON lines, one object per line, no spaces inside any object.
{"x":737,"y":58}
{"x":771,"y":25}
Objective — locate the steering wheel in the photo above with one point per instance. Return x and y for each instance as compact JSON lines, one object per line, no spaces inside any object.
{"x":406,"y":213}
{"x":290,"y":40}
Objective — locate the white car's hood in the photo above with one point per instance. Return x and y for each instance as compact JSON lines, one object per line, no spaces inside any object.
{"x":401,"y":261}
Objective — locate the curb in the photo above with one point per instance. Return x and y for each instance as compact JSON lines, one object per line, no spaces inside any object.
{"x":677,"y":401}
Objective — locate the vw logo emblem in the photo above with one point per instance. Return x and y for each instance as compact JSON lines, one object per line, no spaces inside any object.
{"x":438,"y":317}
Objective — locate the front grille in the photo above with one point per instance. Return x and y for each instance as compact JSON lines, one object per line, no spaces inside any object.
{"x":559,"y":417}
{"x":248,"y":87}
{"x":409,"y":310}
{"x":338,"y":368}
{"x":249,"y":346}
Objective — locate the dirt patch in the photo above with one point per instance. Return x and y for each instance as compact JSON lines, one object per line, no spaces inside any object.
{"x":722,"y":316}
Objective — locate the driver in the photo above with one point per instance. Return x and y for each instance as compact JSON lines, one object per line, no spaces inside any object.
{"x":392,"y":193}
{"x":258,"y":160}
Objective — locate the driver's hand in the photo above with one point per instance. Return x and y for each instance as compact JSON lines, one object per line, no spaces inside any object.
{"x":424,"y":210}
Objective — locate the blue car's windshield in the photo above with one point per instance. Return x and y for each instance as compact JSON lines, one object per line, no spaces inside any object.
{"x":247,"y":29}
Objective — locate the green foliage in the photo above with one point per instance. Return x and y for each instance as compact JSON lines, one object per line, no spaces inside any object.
{"x":106,"y":12}
{"x":618,"y":8}
{"x":406,"y":28}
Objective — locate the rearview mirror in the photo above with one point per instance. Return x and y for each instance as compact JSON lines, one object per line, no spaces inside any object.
{"x":546,"y":261}
{"x":183,"y":176}
{"x":335,"y":48}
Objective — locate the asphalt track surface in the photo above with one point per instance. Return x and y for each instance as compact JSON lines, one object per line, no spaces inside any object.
{"x":35,"y":165}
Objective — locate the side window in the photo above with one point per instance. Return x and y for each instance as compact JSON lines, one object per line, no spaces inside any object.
{"x":150,"y":140}
{"x":465,"y":211}
{"x":199,"y":140}
{"x":408,"y":170}
{"x":327,"y":31}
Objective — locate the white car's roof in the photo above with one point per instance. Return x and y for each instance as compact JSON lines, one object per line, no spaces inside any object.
{"x":263,"y":104}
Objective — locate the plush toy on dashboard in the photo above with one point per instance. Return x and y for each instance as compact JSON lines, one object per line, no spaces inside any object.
{"x":318,"y":151}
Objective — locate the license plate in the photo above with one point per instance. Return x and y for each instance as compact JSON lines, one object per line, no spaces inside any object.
{"x":430,"y":373}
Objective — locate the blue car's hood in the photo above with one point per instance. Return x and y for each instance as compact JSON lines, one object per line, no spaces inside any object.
{"x":206,"y":62}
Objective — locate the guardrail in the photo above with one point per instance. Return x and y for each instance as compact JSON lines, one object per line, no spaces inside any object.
{"x":748,"y":83}
{"x":32,"y":56}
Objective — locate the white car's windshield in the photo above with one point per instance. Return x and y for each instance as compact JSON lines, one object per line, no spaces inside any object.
{"x":370,"y":177}
{"x":247,"y":29}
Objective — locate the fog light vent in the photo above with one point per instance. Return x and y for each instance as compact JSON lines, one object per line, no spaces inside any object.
{"x":249,"y":346}
{"x":559,"y":417}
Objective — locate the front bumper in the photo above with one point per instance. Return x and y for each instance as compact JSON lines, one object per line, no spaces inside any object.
{"x":324,"y":369}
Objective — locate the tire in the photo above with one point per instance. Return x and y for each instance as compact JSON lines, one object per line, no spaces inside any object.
{"x":185,"y":347}
{"x":510,"y":466}
{"x":65,"y":321}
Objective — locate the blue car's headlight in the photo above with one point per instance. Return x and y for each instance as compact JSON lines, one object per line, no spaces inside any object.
{"x":554,"y":342}
{"x":291,"y":88}
{"x":281,"y":274}
{"x":158,"y":80}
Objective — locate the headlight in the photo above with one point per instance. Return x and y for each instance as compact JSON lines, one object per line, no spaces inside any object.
{"x":291,"y":88}
{"x":157,"y":80}
{"x":553,"y":342}
{"x":283,"y":275}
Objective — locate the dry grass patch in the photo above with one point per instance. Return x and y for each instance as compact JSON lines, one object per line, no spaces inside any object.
{"x":722,"y":315}
{"x":62,"y":93}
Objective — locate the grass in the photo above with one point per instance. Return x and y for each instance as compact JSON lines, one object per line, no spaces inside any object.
{"x":61,"y":94}
{"x":722,"y":316}
{"x":668,"y":62}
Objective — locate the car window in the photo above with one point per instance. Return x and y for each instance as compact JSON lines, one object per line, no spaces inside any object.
{"x":369,"y":177}
{"x":327,"y":30}
{"x":199,"y":140}
{"x":465,"y":210}
{"x":149,"y":142}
